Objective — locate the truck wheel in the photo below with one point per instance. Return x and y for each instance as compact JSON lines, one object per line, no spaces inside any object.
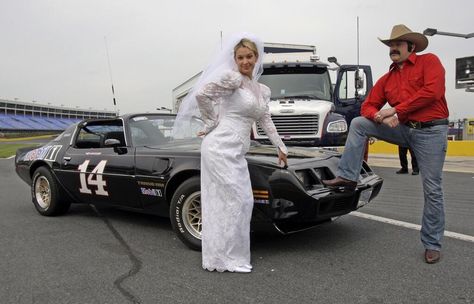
{"x":47,"y":196}
{"x":185,"y":213}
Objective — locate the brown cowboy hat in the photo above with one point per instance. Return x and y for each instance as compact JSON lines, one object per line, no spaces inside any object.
{"x":402,"y":32}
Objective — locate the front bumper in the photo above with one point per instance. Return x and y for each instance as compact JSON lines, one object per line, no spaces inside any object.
{"x":293,"y":208}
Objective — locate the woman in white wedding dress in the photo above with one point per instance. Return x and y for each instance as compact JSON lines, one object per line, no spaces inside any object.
{"x":230,"y":101}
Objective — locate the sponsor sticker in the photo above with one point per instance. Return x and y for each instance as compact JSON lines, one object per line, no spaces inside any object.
{"x":151,"y":192}
{"x":93,"y":153}
{"x":261,"y":201}
{"x":46,"y":153}
{"x":150,"y":184}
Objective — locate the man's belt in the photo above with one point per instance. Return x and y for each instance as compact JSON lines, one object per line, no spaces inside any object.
{"x":426,"y":124}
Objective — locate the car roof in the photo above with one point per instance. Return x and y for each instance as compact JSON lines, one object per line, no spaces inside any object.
{"x":124,"y":117}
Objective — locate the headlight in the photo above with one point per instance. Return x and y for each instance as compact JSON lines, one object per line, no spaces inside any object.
{"x":364,"y":197}
{"x":338,"y":126}
{"x":306,"y":178}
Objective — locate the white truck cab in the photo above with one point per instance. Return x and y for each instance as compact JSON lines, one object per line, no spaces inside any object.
{"x":303,"y":103}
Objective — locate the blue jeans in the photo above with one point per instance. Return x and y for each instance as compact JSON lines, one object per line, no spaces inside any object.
{"x":428,"y":144}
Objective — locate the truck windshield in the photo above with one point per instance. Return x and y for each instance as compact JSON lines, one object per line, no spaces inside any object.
{"x":297,"y":82}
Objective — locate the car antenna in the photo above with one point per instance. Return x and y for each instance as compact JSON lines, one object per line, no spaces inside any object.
{"x":357,"y":76}
{"x":110,"y":74}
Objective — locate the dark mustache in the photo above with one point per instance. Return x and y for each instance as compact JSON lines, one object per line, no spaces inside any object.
{"x":394,"y":52}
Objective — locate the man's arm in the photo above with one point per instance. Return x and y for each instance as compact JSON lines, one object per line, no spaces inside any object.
{"x":375,"y":100}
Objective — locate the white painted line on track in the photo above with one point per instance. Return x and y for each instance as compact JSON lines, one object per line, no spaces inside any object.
{"x":11,"y":157}
{"x":454,"y":235}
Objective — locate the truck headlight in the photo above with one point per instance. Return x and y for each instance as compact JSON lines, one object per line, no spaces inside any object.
{"x":338,"y":126}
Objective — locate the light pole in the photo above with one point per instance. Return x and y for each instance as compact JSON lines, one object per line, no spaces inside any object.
{"x":462,"y":81}
{"x":432,"y":32}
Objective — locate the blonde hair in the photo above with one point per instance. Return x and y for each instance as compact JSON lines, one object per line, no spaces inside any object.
{"x":246,"y":43}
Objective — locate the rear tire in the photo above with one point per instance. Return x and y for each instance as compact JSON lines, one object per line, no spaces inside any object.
{"x":185,"y":213}
{"x":48,"y":198}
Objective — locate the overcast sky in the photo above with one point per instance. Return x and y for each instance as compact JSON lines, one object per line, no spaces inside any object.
{"x":53,"y":51}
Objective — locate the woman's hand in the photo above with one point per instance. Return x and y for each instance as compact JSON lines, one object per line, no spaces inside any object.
{"x":201,"y":133}
{"x":282,"y":158}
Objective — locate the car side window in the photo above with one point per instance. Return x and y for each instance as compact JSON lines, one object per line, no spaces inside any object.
{"x":94,"y":135}
{"x":86,"y":140}
{"x":139,"y":137}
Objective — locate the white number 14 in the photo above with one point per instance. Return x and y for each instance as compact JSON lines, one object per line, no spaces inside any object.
{"x":94,"y":178}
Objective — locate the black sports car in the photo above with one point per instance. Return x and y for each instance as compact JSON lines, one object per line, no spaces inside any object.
{"x":132,"y":162}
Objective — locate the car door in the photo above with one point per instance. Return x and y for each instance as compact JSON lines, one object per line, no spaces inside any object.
{"x":153,"y":163}
{"x":96,"y":173}
{"x":353,"y":84}
{"x":152,"y":173}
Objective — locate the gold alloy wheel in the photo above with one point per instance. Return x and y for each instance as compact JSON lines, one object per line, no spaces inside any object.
{"x":191,"y":214}
{"x":43,"y":192}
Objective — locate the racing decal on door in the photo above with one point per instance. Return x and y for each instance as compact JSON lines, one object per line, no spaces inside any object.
{"x":95,"y":178}
{"x":151,"y":192}
{"x":151,"y":188}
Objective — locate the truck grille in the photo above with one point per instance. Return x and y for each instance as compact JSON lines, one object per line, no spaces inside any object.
{"x":293,"y":124}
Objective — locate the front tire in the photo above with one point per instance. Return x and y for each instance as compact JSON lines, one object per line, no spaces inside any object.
{"x":47,"y":197}
{"x":185,"y":213}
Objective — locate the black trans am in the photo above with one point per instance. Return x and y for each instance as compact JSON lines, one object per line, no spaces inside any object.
{"x":131,"y":162}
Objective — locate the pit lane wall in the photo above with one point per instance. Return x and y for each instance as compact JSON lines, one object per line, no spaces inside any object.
{"x":455,"y":148}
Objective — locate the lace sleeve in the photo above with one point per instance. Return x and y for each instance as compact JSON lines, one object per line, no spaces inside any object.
{"x":267,"y":124}
{"x":210,"y":94}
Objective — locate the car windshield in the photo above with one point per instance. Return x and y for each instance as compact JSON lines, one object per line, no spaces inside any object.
{"x":297,"y":82}
{"x":153,"y":129}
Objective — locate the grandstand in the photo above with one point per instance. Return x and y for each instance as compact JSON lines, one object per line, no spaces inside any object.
{"x":31,"y":117}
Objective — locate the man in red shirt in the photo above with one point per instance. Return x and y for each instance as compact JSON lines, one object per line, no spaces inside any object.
{"x":417,"y":118}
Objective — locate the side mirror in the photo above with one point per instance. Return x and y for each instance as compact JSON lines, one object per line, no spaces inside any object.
{"x":120,"y":150}
{"x":333,"y":60}
{"x":359,"y":80}
{"x":112,"y":142}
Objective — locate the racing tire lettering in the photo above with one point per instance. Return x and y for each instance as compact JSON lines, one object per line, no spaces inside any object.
{"x":186,"y":200}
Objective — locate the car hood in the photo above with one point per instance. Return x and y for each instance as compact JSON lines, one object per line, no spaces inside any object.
{"x":257,"y":152}
{"x":296,"y":155}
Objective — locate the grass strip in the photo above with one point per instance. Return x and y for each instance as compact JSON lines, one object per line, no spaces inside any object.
{"x":7,"y":150}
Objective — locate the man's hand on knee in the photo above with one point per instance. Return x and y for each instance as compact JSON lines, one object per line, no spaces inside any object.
{"x":384,"y":113}
{"x":391,"y":121}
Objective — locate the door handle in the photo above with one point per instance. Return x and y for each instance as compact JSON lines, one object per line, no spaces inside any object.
{"x":67,"y":158}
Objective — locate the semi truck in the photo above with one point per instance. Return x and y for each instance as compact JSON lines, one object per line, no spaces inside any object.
{"x":306,"y":107}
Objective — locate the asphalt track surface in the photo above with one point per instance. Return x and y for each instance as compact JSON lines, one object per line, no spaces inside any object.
{"x":110,"y":256}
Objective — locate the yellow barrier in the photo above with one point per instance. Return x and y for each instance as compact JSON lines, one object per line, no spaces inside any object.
{"x":455,"y":148}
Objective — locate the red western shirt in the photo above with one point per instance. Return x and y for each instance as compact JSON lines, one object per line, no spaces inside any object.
{"x":416,"y":91}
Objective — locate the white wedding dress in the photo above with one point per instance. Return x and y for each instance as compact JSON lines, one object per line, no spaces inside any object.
{"x":226,"y":192}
